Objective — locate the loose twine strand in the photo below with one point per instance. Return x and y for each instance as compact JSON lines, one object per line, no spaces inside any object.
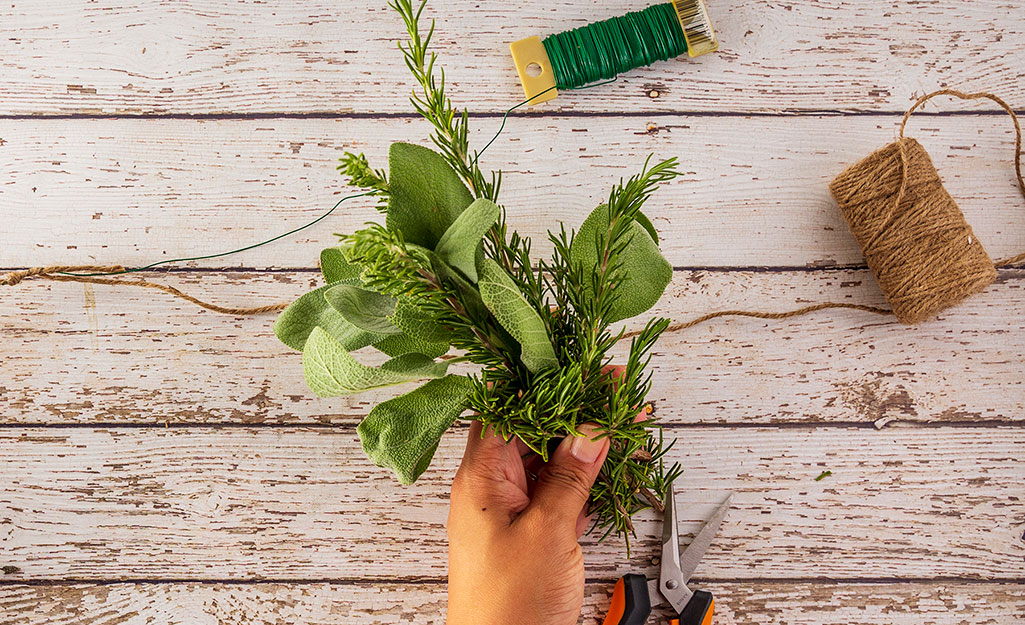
{"x":1004,"y":262}
{"x":98,"y":274}
{"x":57,"y":274}
{"x":95,"y":274}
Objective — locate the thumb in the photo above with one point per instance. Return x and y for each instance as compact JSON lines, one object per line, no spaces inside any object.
{"x":564,"y":484}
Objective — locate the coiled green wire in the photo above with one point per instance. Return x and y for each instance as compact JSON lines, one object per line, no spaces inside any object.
{"x":603,"y":50}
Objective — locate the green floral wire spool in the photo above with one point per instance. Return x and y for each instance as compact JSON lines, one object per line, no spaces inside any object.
{"x":603,"y":50}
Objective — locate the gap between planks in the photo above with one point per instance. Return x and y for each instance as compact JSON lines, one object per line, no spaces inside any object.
{"x":431,"y":581}
{"x":841,"y":368}
{"x":669,"y":427}
{"x":378,"y":603}
{"x":331,"y":115}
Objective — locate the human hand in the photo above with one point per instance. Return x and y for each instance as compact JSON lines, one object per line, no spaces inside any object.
{"x":513,"y":554}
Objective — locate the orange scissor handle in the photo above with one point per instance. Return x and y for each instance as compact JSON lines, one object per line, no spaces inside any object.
{"x":630,"y":602}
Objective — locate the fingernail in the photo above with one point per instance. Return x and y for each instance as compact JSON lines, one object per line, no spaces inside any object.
{"x":584,"y":448}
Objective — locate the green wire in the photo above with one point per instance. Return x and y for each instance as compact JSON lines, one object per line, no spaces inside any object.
{"x":527,"y":101}
{"x":603,"y":50}
{"x":583,"y":85}
{"x":236,"y":251}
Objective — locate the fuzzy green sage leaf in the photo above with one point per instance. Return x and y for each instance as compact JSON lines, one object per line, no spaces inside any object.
{"x":645,"y":273}
{"x":331,"y":371}
{"x":459,"y":245}
{"x":364,"y":309}
{"x":418,"y":324}
{"x":294,"y":325}
{"x":403,"y":433}
{"x":400,"y":344}
{"x":337,"y":269}
{"x":504,"y":300}
{"x":426,"y":194}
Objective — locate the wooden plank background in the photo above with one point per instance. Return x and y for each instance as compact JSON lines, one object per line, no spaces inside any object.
{"x":162,"y":464}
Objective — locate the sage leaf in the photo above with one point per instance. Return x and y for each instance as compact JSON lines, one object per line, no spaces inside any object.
{"x":426,"y":194}
{"x":338,"y":270}
{"x":642,"y":219}
{"x":645,"y":273}
{"x":331,"y":371}
{"x":468,"y":293}
{"x":418,"y":324}
{"x":402,"y":434}
{"x":364,"y":309}
{"x":400,"y":344}
{"x":517,"y":316}
{"x":294,"y":325}
{"x":459,"y":245}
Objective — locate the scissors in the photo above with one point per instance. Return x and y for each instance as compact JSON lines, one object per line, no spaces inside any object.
{"x":633,"y":594}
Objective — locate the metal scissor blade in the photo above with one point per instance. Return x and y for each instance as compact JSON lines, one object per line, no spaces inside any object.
{"x":672,"y":584}
{"x":691,"y":556}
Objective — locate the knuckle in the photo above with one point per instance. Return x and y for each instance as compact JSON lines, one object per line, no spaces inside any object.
{"x":570,"y":479}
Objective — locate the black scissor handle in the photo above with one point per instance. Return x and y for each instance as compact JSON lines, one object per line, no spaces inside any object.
{"x":631,"y":604}
{"x":698,"y":610}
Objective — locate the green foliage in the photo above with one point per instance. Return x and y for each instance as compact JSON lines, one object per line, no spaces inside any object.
{"x":517,"y":316}
{"x":446,"y":272}
{"x":312,"y":311}
{"x":645,"y":273}
{"x":331,"y":371}
{"x":451,"y":128}
{"x":426,"y":195}
{"x":642,"y":219}
{"x":399,"y":344}
{"x":364,"y":309}
{"x":460,"y":244}
{"x":403,"y":433}
{"x":419,"y":324}
{"x":336,"y":269}
{"x":360,"y":174}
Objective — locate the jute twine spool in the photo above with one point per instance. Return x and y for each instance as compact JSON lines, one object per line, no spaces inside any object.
{"x":915,"y":238}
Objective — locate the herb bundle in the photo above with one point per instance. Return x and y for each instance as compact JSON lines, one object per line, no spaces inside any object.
{"x":445,"y":273}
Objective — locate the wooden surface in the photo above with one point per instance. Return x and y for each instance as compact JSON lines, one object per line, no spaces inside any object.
{"x":754,"y":194}
{"x":339,"y":57}
{"x":162,"y":464}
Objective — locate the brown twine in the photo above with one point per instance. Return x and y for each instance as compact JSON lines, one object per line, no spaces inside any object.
{"x":797,"y":312}
{"x":919,"y":246}
{"x":56,"y":273}
{"x":915,"y":239}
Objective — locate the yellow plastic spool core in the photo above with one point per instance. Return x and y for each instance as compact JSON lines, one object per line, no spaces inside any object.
{"x":534,"y":68}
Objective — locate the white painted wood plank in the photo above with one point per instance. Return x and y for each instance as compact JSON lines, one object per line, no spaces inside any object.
{"x":81,"y":354}
{"x":754,"y":193}
{"x":424,"y":603}
{"x":260,"y":503}
{"x":217,"y":56}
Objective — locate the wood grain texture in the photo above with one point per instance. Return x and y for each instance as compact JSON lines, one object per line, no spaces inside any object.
{"x":225,"y":57}
{"x":80,"y":354}
{"x":262,"y":503}
{"x":257,"y":504}
{"x":743,"y":603}
{"x":755,"y":191}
